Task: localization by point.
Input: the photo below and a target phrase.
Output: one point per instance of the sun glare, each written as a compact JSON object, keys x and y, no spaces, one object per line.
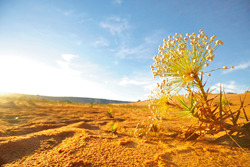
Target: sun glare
{"x":20,"y":75}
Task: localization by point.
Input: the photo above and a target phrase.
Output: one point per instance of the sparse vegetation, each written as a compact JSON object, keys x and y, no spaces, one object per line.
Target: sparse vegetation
{"x":110,"y":113}
{"x":112,"y":127}
{"x":85,"y":135}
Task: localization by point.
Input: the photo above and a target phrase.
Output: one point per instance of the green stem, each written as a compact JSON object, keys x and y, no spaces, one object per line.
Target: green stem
{"x":199,"y":82}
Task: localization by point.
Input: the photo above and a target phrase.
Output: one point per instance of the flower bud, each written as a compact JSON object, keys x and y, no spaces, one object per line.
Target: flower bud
{"x":192,"y":75}
{"x":208,"y":47}
{"x":201,"y":72}
{"x":211,"y":55}
{"x":232,"y":67}
{"x":176,"y":34}
{"x":206,"y":65}
{"x":219,"y":42}
{"x":210,"y":51}
{"x":208,"y":75}
{"x":225,"y":67}
{"x":169,"y":36}
{"x":185,"y":38}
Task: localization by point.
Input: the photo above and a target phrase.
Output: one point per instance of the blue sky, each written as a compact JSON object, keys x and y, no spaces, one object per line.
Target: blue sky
{"x":104,"y":48}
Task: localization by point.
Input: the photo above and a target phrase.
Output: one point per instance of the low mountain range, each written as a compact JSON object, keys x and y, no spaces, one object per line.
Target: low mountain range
{"x":70,"y":99}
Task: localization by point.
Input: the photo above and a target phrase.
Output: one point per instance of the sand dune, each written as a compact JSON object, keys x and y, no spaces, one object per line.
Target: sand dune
{"x":77,"y":135}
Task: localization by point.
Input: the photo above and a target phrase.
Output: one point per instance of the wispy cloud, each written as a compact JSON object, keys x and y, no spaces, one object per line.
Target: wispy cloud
{"x":101,"y":42}
{"x":85,"y":20}
{"x":65,"y":65}
{"x":68,"y":57}
{"x":119,"y":2}
{"x":123,"y":51}
{"x":116,"y":25}
{"x":65,"y":12}
{"x":147,"y":83}
{"x":230,"y":86}
{"x":127,"y":81}
{"x":144,"y":50}
{"x":241,"y":66}
{"x":116,"y":62}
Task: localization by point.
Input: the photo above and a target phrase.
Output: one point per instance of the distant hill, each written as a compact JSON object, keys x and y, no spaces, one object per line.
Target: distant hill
{"x":72,"y":99}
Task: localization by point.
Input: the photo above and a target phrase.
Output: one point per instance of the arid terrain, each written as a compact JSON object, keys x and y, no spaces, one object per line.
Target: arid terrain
{"x":40,"y":133}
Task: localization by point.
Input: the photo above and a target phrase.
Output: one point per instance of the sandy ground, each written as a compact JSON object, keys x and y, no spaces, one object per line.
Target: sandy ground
{"x":38,"y":134}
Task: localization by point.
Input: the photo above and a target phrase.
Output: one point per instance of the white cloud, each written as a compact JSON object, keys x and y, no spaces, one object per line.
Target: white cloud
{"x":230,"y":86}
{"x":101,"y":42}
{"x":241,"y":66}
{"x":145,"y":50}
{"x":126,"y":81}
{"x":119,"y":2}
{"x":65,"y":65}
{"x":147,"y":83}
{"x":116,"y":25}
{"x":68,"y":57}
{"x":140,"y":84}
{"x":138,"y":52}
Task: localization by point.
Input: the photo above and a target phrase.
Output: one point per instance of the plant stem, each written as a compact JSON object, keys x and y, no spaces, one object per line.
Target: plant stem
{"x":200,"y":86}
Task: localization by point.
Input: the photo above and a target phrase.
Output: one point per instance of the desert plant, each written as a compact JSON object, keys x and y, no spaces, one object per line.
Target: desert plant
{"x":112,"y":127}
{"x":146,"y":128}
{"x":182,"y":61}
{"x":110,"y":113}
